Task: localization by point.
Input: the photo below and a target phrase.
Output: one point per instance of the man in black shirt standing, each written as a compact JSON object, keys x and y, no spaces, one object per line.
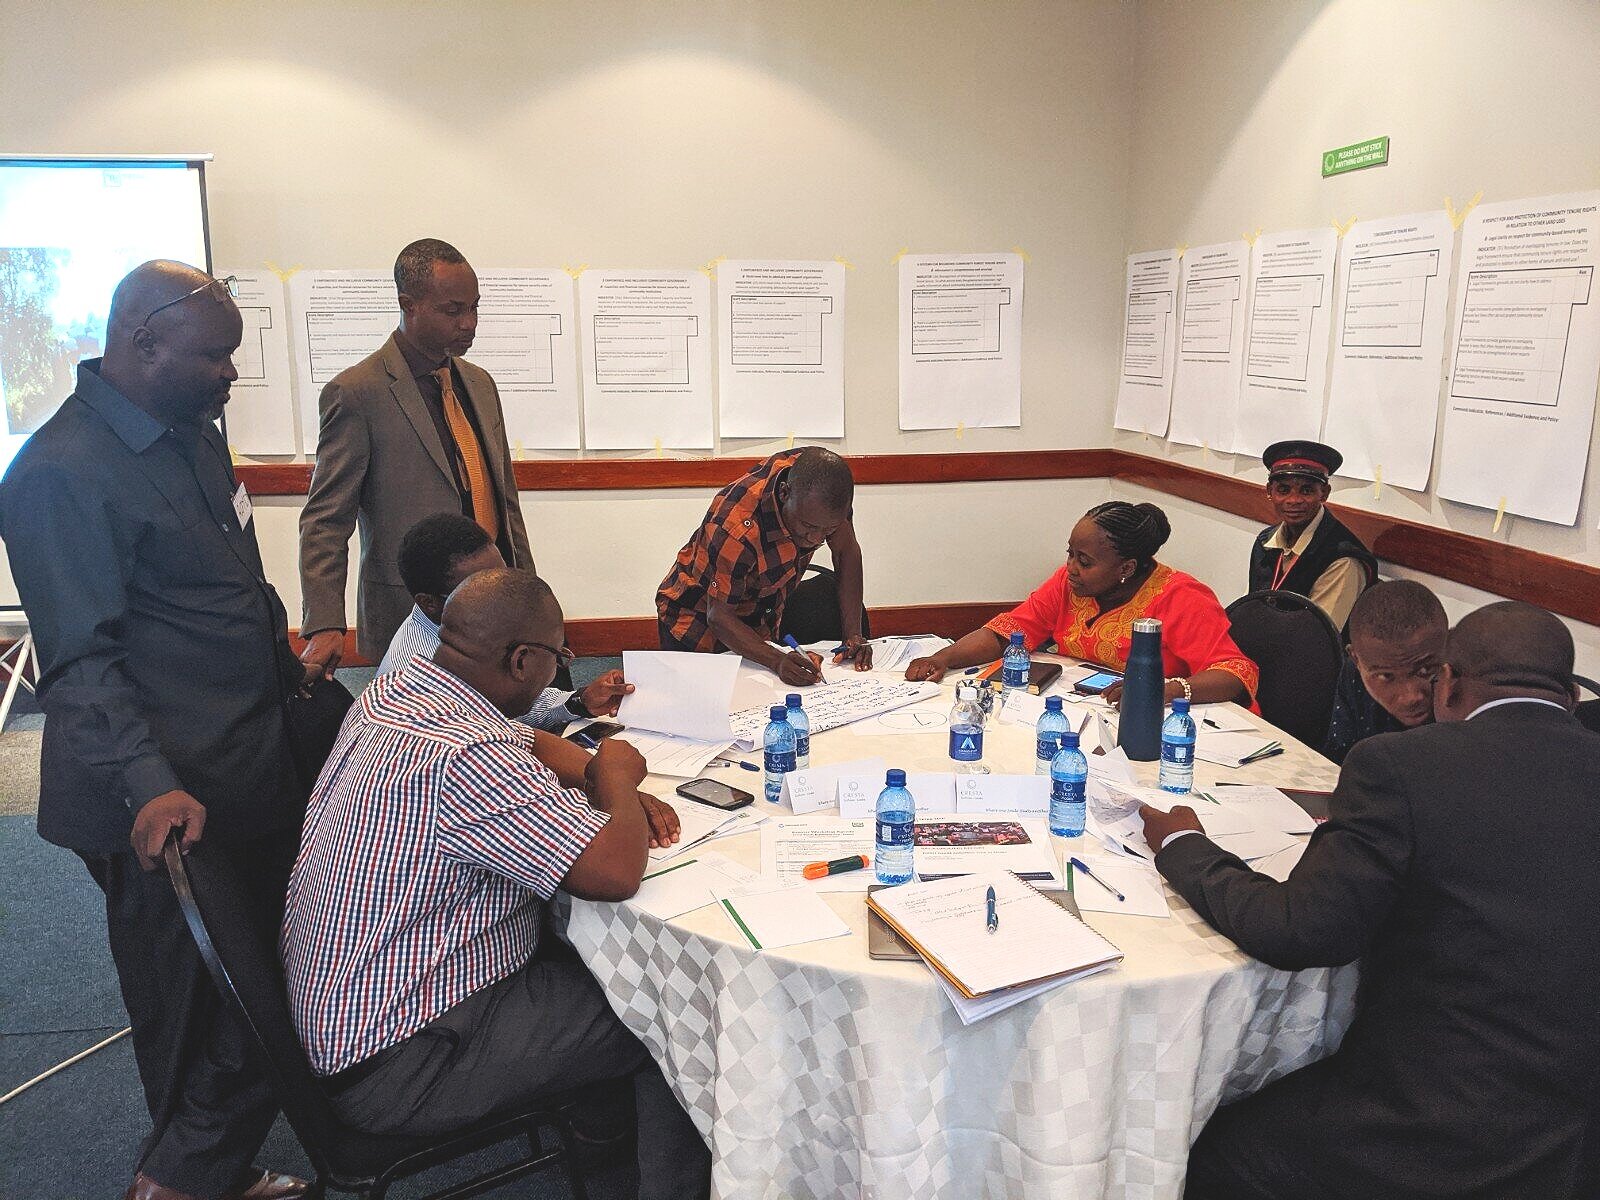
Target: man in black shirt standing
{"x":165,"y":671}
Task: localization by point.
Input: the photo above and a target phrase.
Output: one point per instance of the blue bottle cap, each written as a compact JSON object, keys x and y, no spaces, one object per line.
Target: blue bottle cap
{"x":1052,"y":704}
{"x":1016,"y":637}
{"x":793,"y":699}
{"x":1180,"y":705}
{"x":779,"y":712}
{"x":1068,"y":740}
{"x":895,"y":778}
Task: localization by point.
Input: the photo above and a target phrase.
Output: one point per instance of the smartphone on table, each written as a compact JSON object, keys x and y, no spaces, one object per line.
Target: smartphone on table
{"x":715,"y":793}
{"x":1093,"y":685}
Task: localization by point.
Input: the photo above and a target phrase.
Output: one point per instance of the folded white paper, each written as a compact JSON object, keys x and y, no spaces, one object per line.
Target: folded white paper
{"x":818,"y":787}
{"x":688,"y":695}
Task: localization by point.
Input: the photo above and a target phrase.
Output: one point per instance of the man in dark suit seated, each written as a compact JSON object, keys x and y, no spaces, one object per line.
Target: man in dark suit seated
{"x":1397,"y":635}
{"x":1459,"y":865}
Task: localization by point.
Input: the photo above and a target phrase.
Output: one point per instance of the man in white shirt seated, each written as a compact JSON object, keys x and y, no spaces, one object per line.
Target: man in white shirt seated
{"x":438,"y":832}
{"x":435,"y":555}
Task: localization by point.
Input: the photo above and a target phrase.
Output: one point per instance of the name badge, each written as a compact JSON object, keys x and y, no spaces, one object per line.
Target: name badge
{"x":242,"y":508}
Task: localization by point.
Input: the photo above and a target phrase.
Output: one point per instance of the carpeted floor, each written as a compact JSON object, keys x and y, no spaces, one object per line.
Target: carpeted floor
{"x":74,"y":1136}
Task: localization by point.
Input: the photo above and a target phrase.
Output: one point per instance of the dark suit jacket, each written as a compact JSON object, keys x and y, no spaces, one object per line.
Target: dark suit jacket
{"x":381,"y":466}
{"x":1461,"y":864}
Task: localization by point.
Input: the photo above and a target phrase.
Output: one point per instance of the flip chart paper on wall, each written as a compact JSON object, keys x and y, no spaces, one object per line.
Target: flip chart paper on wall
{"x":527,"y":339}
{"x":260,"y":412}
{"x":1286,"y":338}
{"x":339,"y":317}
{"x":780,"y":348}
{"x":1149,"y":341}
{"x":1520,"y":406}
{"x":646,"y":359}
{"x":960,"y":340}
{"x":1210,"y":350}
{"x":1388,"y":349}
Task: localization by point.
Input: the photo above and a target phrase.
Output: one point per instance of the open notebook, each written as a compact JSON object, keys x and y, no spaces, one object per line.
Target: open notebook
{"x":945,"y":921}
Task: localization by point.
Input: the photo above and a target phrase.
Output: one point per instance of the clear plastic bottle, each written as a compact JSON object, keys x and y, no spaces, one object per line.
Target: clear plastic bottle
{"x":1069,"y":782}
{"x":777,"y":751}
{"x":966,"y":732}
{"x":1177,"y":750}
{"x":897,"y":813}
{"x":1052,"y":724}
{"x":1014,"y":664}
{"x":801,"y":724}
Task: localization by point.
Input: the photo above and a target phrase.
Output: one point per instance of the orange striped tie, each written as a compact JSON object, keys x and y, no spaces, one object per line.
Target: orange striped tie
{"x":470,"y":455}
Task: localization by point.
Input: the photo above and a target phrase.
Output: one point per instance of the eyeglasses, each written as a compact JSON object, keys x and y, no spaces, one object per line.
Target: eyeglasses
{"x":231,"y":282}
{"x":562,"y":655}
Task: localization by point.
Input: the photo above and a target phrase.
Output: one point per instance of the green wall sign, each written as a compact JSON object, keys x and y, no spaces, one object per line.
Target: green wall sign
{"x":1371,"y":153}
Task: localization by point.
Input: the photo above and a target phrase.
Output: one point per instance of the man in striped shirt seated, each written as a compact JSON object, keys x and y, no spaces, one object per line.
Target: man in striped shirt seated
{"x":435,"y":555}
{"x":437,"y":833}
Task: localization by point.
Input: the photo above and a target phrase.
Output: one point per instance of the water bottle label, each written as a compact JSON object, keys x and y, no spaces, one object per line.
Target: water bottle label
{"x":895,"y":834}
{"x":1014,"y":677}
{"x":802,"y":745}
{"x":1047,"y":746}
{"x":778,"y":762}
{"x":1176,"y":753}
{"x":1068,"y":791}
{"x":966,"y":744}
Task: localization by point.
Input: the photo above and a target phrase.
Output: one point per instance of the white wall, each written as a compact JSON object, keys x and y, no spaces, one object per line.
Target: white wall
{"x":628,"y":135}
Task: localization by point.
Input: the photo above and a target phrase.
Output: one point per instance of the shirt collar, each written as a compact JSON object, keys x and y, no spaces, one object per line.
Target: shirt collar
{"x":1514,"y":700}
{"x":137,"y":428}
{"x":416,"y":361}
{"x":432,"y":676}
{"x":1301,"y":543}
{"x":422,"y":621}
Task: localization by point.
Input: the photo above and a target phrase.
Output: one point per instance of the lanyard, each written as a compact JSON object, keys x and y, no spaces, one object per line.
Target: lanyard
{"x":1286,"y":561}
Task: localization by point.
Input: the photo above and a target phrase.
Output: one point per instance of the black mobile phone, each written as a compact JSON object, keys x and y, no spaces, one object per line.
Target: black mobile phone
{"x":590,"y":735}
{"x":715,"y":793}
{"x":1093,"y":685}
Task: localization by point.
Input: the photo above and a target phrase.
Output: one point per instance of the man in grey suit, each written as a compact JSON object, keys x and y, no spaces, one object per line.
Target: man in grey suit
{"x":411,"y":430}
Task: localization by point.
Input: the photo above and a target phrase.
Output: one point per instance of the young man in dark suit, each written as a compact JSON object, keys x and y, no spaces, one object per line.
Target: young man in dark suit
{"x":1458,"y":864}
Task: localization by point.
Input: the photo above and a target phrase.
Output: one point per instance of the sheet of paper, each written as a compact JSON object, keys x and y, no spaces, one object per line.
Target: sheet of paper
{"x":1139,"y":882}
{"x":931,"y":791}
{"x":1262,"y":807}
{"x":1013,"y":795}
{"x":787,"y":917}
{"x":976,"y":1009}
{"x":1228,"y":749}
{"x":1222,"y":718}
{"x":830,"y":705}
{"x":788,"y":845}
{"x":950,"y":844}
{"x":927,"y":718}
{"x":780,"y":348}
{"x":701,"y":823}
{"x":646,"y":359}
{"x":894,"y":654}
{"x":339,"y":318}
{"x":1286,"y":348}
{"x":1520,"y":405}
{"x":260,"y":412}
{"x":818,"y":787}
{"x":1279,"y":865}
{"x":1149,"y":342}
{"x":1112,"y":766}
{"x":679,"y":757}
{"x":1388,"y":347}
{"x":527,"y":339}
{"x":1210,"y":367}
{"x":960,"y":341}
{"x":678,"y":693}
{"x":1257,"y":845}
{"x":689,"y":883}
{"x":1021,"y":708}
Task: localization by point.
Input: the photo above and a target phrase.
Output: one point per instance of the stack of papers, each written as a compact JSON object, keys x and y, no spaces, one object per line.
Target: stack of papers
{"x":831,"y":705}
{"x":957,"y":845}
{"x":892,"y":655}
{"x":699,"y":823}
{"x":769,"y":920}
{"x":689,"y":883}
{"x":1233,"y":749}
{"x":665,"y":754}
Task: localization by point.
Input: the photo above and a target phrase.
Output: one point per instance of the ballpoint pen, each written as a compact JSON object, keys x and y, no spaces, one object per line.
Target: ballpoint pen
{"x":734,"y":762}
{"x":1079,"y":865}
{"x":1210,"y":722}
{"x":994,"y":914}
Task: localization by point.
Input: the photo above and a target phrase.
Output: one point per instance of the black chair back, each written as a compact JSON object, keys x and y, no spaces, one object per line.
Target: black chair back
{"x":1588,"y":711}
{"x":811,"y":613}
{"x":1299,"y":653}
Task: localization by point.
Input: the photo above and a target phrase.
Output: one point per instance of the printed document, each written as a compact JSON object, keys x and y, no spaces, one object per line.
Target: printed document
{"x":780,"y":348}
{"x":1286,"y":341}
{"x":1149,"y":342}
{"x":960,"y":340}
{"x":1210,"y":356}
{"x":260,"y":412}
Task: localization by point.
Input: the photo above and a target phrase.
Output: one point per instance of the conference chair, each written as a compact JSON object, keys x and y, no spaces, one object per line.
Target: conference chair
{"x":811,"y":613}
{"x":1588,"y":711}
{"x":1299,"y":653}
{"x":246,"y":971}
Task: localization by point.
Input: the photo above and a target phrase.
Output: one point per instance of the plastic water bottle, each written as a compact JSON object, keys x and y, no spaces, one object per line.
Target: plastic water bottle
{"x":1050,"y":728}
{"x":897,"y":813}
{"x":777,"y":751}
{"x":801,"y":724}
{"x":966,"y":732}
{"x":1069,"y":782}
{"x":1177,"y":749}
{"x":1014,"y":666}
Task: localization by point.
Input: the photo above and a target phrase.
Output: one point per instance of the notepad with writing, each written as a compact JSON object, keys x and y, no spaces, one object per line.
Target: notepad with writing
{"x":945,"y":921}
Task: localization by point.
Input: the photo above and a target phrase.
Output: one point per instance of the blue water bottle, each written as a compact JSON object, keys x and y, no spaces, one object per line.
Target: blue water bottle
{"x":801,"y":724}
{"x":966,"y":732}
{"x":1014,"y":666}
{"x":1177,"y":749}
{"x":1069,"y":783}
{"x":777,"y":751}
{"x":1144,"y":691}
{"x":897,"y":813}
{"x":1052,"y":724}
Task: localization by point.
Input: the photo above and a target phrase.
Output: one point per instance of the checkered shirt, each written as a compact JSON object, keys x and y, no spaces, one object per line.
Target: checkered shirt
{"x":431,"y":842}
{"x":741,"y":555}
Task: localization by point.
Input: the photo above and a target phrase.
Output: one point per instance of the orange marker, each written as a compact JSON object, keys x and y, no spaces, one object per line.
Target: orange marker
{"x":821,"y":870}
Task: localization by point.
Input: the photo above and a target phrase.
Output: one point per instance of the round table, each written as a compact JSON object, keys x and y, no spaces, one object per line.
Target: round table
{"x":816,"y":1071}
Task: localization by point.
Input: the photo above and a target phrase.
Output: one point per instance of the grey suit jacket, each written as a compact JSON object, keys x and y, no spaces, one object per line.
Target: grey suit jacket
{"x":381,"y":467}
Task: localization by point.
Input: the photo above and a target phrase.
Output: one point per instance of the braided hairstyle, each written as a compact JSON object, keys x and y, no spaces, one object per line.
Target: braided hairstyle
{"x":1135,"y":531}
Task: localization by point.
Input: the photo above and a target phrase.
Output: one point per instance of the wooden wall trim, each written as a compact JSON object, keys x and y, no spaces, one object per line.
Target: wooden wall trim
{"x":1561,"y":585}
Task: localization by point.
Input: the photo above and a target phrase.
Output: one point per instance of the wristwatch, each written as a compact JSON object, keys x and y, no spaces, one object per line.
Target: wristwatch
{"x":576,"y":706}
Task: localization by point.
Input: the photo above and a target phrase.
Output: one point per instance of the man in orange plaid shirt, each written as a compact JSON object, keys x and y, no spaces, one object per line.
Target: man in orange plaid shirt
{"x":727,"y":589}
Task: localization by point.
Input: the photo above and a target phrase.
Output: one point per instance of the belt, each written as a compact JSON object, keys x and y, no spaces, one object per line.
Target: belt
{"x":342,"y":1081}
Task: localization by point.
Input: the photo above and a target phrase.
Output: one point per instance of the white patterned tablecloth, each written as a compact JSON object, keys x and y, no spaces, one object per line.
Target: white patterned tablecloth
{"x":815,"y":1071}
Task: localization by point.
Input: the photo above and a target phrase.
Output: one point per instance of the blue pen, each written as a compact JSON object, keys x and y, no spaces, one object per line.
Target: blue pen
{"x":994,"y":916}
{"x":972,"y":670}
{"x":734,"y":762}
{"x":586,"y":741}
{"x":1079,"y":865}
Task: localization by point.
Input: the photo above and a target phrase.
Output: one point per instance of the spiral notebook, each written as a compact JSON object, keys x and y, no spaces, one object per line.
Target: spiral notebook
{"x":946,"y":921}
